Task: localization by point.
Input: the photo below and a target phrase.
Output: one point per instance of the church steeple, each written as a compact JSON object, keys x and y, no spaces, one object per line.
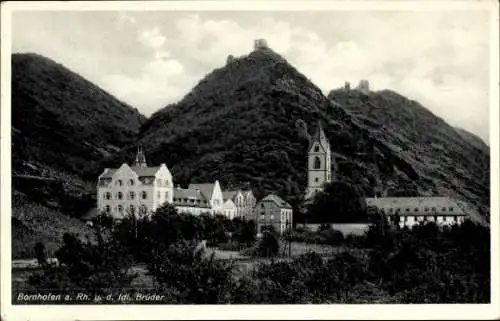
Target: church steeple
{"x":318,"y":162}
{"x":140,"y":159}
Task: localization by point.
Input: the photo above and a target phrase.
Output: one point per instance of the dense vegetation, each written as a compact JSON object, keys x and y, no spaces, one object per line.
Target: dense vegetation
{"x":250,"y":122}
{"x":424,"y":265}
{"x":338,"y":202}
{"x":63,"y":121}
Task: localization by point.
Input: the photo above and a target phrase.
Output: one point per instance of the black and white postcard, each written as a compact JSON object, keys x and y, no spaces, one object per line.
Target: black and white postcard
{"x":250,"y":160}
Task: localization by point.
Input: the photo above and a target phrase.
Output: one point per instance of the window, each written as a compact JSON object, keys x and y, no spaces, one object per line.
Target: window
{"x":451,"y":209}
{"x":444,"y":209}
{"x":131,"y":195}
{"x":317,"y":163}
{"x":120,"y":209}
{"x":427,"y":209}
{"x":328,"y":176}
{"x":316,"y":179}
{"x":107,"y":195}
{"x":119,"y":195}
{"x":408,"y":209}
{"x":144,"y":195}
{"x":416,"y":209}
{"x":119,"y":182}
{"x":143,"y":210}
{"x":108,"y":209}
{"x":166,"y":196}
{"x":398,"y":210}
{"x":131,"y":182}
{"x":132,"y":209}
{"x":262,"y":205}
{"x":316,"y":148}
{"x":433,"y":209}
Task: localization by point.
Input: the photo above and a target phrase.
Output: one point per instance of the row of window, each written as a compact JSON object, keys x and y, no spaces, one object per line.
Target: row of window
{"x":426,"y":218}
{"x":143,"y":209}
{"x":131,"y":182}
{"x":416,"y":209}
{"x":131,"y":195}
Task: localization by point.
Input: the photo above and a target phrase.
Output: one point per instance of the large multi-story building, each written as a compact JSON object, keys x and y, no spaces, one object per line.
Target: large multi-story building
{"x":273,"y":211}
{"x":140,"y":190}
{"x":136,"y":189}
{"x":410,"y":211}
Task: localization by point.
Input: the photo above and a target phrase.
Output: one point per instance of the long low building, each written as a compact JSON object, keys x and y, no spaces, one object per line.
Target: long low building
{"x":414,"y":210}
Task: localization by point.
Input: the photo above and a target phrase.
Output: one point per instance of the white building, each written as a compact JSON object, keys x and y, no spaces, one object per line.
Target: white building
{"x":136,"y":189}
{"x":272,"y":210}
{"x":199,"y":198}
{"x":414,"y":210}
{"x":244,"y":201}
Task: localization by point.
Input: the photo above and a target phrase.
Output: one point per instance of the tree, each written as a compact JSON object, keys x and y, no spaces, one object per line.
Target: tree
{"x":40,"y":254}
{"x":339,"y":202}
{"x":269,"y":245}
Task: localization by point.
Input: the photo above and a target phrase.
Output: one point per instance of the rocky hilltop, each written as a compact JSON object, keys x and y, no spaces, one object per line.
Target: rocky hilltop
{"x":439,"y":159}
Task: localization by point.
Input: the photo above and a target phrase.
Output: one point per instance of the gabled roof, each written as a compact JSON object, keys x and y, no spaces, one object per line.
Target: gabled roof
{"x":277,"y":200}
{"x":181,"y":194}
{"x":109,"y":173}
{"x":140,"y":171}
{"x":229,"y":195}
{"x":420,"y":202}
{"x":206,"y":189}
{"x":145,"y":171}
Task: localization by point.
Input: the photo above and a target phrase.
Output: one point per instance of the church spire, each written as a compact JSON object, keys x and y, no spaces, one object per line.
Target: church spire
{"x":140,"y":159}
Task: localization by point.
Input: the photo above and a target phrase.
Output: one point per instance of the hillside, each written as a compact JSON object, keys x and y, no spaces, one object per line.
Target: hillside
{"x":443,"y":161}
{"x":473,"y":140}
{"x":249,"y":121}
{"x":63,"y":121}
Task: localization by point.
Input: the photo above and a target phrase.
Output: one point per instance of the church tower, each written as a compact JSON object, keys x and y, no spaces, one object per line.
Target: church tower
{"x":140,"y":159}
{"x":318,"y":163}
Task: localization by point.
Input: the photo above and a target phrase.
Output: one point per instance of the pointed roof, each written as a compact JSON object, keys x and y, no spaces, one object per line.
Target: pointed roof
{"x":207,"y":189}
{"x":276,"y":199}
{"x":140,"y":158}
{"x":229,"y":195}
{"x":319,"y":136}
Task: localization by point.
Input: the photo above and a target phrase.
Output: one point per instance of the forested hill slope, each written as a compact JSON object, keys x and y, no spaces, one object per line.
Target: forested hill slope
{"x":446,"y":160}
{"x":61,"y":120}
{"x":473,"y":140}
{"x":249,"y":121}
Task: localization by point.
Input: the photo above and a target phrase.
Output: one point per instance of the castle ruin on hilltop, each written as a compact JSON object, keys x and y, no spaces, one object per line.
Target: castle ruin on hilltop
{"x":260,"y":44}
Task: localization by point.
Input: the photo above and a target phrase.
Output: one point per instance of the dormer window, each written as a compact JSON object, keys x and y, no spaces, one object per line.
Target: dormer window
{"x":119,"y":182}
{"x":316,"y":148}
{"x":131,"y":182}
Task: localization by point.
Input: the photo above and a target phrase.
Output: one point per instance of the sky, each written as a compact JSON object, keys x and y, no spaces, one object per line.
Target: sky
{"x":150,"y":59}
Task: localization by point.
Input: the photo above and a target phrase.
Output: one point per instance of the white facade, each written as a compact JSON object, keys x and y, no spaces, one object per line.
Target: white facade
{"x":134,"y":190}
{"x":244,"y":201}
{"x":411,"y":211}
{"x":229,"y":209}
